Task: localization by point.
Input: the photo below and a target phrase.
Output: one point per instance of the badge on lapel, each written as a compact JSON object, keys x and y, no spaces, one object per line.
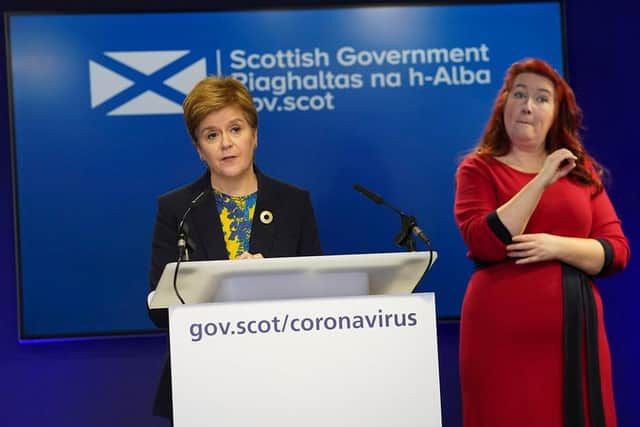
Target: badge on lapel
{"x":266,"y":217}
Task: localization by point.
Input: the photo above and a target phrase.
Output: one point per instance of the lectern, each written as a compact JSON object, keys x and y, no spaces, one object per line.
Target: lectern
{"x":313,"y":341}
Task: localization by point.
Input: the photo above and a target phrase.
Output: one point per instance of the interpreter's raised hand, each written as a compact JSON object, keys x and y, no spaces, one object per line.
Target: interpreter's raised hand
{"x":247,"y":255}
{"x":529,"y":248}
{"x":556,"y":165}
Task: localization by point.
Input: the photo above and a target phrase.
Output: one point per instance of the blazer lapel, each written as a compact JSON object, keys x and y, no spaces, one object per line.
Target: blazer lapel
{"x":263,"y":230}
{"x":207,"y":229}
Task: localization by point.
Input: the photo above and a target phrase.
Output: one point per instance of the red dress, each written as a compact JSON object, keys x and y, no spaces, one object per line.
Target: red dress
{"x":511,"y":328}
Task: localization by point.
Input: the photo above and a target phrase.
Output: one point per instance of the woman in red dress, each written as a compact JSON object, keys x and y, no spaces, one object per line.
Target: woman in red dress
{"x":538,"y":223}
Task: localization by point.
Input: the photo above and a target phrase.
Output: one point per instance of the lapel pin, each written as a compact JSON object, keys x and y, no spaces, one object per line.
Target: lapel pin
{"x":266,"y":217}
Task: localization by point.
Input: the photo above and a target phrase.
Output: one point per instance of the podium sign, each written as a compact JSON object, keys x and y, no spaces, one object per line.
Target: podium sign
{"x":350,"y":361}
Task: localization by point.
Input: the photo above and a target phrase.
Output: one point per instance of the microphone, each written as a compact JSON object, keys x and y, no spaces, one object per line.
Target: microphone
{"x":183,"y":238}
{"x":368,"y":194}
{"x":183,"y":229}
{"x":409,"y":224}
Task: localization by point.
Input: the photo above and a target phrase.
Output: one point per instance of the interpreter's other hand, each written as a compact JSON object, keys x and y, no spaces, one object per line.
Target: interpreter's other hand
{"x":247,"y":255}
{"x":556,"y":165}
{"x":529,"y":248}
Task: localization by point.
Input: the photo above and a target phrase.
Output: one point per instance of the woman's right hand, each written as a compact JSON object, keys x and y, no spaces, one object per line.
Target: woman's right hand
{"x":556,"y":165}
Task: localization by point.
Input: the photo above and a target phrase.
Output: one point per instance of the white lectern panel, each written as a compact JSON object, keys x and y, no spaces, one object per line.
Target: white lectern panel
{"x":353,"y":361}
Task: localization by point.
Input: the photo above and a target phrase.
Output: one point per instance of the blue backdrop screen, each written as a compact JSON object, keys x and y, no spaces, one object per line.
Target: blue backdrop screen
{"x":388,"y":97}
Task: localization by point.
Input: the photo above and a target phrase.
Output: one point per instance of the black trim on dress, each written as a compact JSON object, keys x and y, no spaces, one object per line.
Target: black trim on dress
{"x":608,"y":255}
{"x":580,"y":320}
{"x":498,"y":228}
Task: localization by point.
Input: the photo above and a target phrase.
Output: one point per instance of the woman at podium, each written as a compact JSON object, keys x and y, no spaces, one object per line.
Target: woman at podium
{"x":234,"y":210}
{"x":532,"y":209}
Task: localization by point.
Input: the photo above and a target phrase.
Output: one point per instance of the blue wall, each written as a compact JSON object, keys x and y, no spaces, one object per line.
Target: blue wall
{"x":111,"y":382}
{"x":602,"y":39}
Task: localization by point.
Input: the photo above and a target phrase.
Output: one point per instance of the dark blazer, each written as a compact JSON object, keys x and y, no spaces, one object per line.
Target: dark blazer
{"x":292,"y":232}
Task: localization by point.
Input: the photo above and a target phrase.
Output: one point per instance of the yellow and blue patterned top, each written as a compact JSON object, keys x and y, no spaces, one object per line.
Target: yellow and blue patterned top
{"x":236,"y":215}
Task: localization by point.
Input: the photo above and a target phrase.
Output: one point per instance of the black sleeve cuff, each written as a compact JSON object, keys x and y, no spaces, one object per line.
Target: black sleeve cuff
{"x":498,"y":228}
{"x":608,"y":255}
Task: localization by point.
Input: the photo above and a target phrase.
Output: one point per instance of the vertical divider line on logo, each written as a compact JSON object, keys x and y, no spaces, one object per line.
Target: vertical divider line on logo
{"x":219,"y":62}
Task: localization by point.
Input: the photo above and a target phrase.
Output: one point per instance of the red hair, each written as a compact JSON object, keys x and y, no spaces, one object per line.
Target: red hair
{"x":563,"y":132}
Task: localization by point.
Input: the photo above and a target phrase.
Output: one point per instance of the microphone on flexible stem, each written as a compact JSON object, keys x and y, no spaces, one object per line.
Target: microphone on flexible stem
{"x":370,"y":195}
{"x":408,"y":224}
{"x":183,"y":229}
{"x":184,"y":243}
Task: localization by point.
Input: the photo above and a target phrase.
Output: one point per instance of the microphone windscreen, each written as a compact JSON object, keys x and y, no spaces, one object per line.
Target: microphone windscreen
{"x":369,"y":194}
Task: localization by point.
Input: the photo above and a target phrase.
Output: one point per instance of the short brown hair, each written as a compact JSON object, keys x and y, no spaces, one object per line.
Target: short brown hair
{"x":215,"y":93}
